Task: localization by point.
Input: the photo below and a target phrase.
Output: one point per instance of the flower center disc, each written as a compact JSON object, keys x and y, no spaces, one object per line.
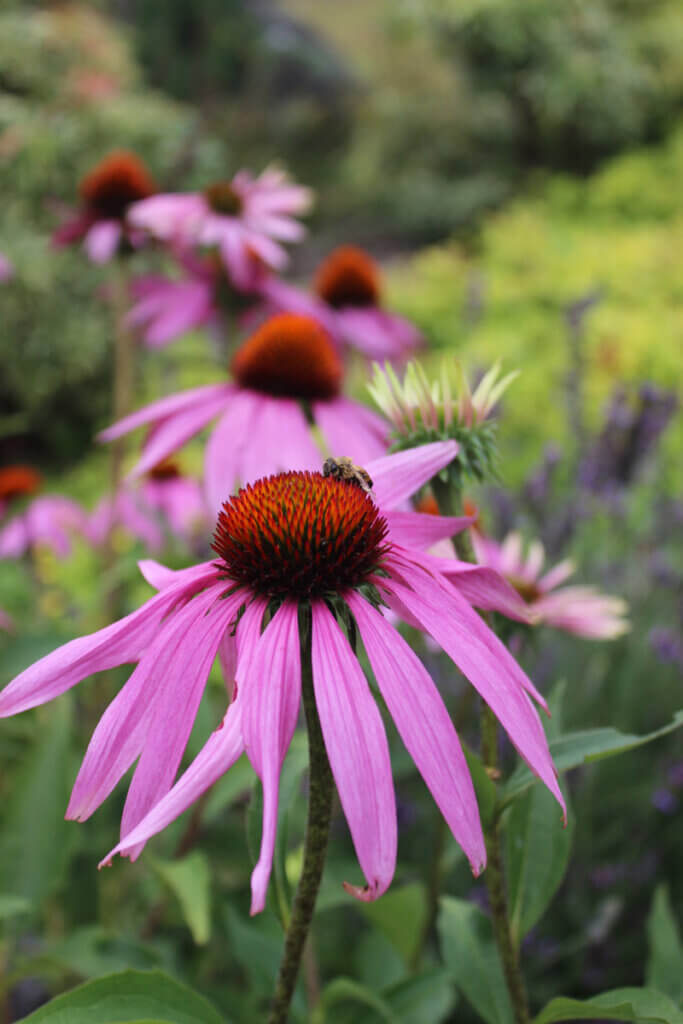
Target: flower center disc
{"x":526,"y":589}
{"x":289,"y":356}
{"x":222,"y":198}
{"x":348,"y":277}
{"x":300,"y":535}
{"x":116,"y":182}
{"x":18,"y":482}
{"x":167,"y":469}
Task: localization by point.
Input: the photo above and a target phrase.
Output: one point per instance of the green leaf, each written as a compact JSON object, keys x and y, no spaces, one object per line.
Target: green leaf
{"x":472,"y":959}
{"x":130,"y":996}
{"x":189,"y":880}
{"x":637,"y":1005}
{"x":576,"y":748}
{"x":400,"y":915}
{"x":429,"y":996}
{"x":664,"y":969}
{"x":344,"y":990}
{"x":537,"y":846}
{"x":35,"y":839}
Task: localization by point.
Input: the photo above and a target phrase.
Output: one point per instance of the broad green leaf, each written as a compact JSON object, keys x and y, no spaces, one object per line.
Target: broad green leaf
{"x":189,"y":880}
{"x":664,"y":969}
{"x":632,"y":1005}
{"x":400,"y":915}
{"x":130,"y":996}
{"x":472,"y":959}
{"x":345,"y":990}
{"x":429,"y":996}
{"x":537,"y":846}
{"x":11,"y":906}
{"x":576,"y":748}
{"x":35,"y":839}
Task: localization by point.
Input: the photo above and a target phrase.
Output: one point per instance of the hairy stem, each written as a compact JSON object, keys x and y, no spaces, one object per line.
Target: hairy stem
{"x":321,"y":789}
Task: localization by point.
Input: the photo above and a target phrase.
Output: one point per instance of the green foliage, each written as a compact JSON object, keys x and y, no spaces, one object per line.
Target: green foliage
{"x":664,"y":969}
{"x":639,"y":1005}
{"x":509,"y":298}
{"x":471,"y":956}
{"x":129,"y":996}
{"x":190,"y":882}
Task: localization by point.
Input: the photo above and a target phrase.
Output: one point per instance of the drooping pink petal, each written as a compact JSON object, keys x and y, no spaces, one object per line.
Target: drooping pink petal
{"x":190,"y":654}
{"x":418,"y":530}
{"x":171,"y":216}
{"x":223,"y":455}
{"x":350,"y":429}
{"x":102,"y":240}
{"x":160,"y":577}
{"x":122,"y":730}
{"x":396,"y":477}
{"x":584,"y":611}
{"x":270,"y":705}
{"x":119,"y":644}
{"x":164,"y":408}
{"x":425,"y":726}
{"x":486,"y":662}
{"x":357,"y":748}
{"x":171,"y":434}
{"x":377,"y":333}
{"x":217,"y":755}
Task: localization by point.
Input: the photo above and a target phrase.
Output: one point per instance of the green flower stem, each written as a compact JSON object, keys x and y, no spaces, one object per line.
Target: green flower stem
{"x":321,"y":790}
{"x":449,"y":499}
{"x":495,"y":882}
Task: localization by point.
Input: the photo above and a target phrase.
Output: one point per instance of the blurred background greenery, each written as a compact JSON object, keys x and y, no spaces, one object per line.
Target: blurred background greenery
{"x":516,"y":165}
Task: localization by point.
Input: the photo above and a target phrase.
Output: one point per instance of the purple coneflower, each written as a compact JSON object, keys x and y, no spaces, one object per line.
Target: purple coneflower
{"x":246,"y":219}
{"x":346,"y":299}
{"x":292,"y":548}
{"x":107,"y":193}
{"x":47,"y":520}
{"x":166,"y":307}
{"x":286,"y":372}
{"x":579,"y":609}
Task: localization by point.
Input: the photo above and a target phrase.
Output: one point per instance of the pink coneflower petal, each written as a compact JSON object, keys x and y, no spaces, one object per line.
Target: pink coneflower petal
{"x":486,"y":589}
{"x":484,"y":660}
{"x":14,"y":538}
{"x":191,"y":650}
{"x":419,"y":530}
{"x":121,"y":732}
{"x":224,"y":452}
{"x":425,"y":726}
{"x":166,"y":309}
{"x":350,"y":429}
{"x":167,"y":436}
{"x":358,"y":752}
{"x":511,"y":555}
{"x":218,"y":754}
{"x":102,"y":240}
{"x":163,"y":408}
{"x":270,"y":706}
{"x":397,"y":477}
{"x":124,"y":641}
{"x":385,"y":335}
{"x":558,"y":574}
{"x":585,"y":611}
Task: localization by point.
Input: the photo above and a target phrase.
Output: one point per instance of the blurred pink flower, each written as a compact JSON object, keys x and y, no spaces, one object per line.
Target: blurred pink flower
{"x":346,"y":300}
{"x":107,"y":192}
{"x":6,"y":269}
{"x":48,"y":520}
{"x":165,"y":501}
{"x":286,"y":543}
{"x":579,"y":609}
{"x":6,"y":621}
{"x":263,"y":424}
{"x":166,"y":307}
{"x":246,"y":219}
